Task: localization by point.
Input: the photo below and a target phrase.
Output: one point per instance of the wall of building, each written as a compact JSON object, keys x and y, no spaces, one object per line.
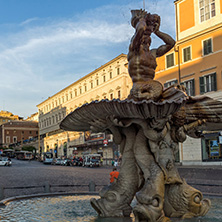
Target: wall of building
{"x":109,"y":81}
{"x":18,"y":131}
{"x":191,"y":32}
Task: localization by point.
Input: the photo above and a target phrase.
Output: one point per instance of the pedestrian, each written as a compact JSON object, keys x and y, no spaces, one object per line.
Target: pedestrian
{"x":112,"y":162}
{"x":114,"y":175}
{"x":116,"y":163}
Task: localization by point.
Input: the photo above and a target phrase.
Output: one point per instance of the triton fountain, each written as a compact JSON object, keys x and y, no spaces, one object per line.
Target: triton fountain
{"x":148,"y":126}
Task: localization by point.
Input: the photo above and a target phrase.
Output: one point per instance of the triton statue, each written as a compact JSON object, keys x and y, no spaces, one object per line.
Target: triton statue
{"x":148,"y":126}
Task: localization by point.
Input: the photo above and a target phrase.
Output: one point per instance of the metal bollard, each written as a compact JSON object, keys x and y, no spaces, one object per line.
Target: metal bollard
{"x":47,"y":187}
{"x":92,"y":186}
{"x":1,"y":192}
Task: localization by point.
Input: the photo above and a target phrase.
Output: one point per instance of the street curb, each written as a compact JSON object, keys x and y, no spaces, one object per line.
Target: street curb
{"x":212,"y":194}
{"x":8,"y":200}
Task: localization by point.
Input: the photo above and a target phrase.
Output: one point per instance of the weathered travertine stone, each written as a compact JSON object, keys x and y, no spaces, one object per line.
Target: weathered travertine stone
{"x":149,"y":125}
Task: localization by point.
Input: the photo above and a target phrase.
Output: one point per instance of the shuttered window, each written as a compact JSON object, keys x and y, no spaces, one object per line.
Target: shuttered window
{"x":168,"y":84}
{"x":186,"y":54}
{"x":190,"y":87}
{"x":208,"y":83}
{"x":170,"y":60}
{"x":207,"y":46}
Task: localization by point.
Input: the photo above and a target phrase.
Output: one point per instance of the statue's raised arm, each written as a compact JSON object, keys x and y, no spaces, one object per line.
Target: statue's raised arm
{"x":163,"y":49}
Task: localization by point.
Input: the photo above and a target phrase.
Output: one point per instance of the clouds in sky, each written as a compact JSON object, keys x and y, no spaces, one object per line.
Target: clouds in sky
{"x":39,"y":57}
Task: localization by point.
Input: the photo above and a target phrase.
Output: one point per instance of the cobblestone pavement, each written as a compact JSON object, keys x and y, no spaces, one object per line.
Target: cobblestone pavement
{"x":34,"y":173}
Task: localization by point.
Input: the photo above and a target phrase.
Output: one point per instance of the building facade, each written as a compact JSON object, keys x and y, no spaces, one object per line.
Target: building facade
{"x":109,"y":81}
{"x":6,"y":116}
{"x":195,"y":62}
{"x":18,"y":133}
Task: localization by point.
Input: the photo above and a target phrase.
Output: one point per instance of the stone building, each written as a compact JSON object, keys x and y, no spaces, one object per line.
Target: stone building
{"x":6,"y":116}
{"x":18,"y":133}
{"x":109,"y":81}
{"x":34,"y":117}
{"x":195,"y":62}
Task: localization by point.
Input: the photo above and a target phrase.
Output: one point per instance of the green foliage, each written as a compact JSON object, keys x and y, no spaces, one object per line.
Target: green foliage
{"x":29,"y":148}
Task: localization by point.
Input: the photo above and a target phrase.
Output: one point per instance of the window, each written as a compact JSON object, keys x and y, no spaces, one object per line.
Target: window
{"x":8,"y":139}
{"x":80,"y":90}
{"x":119,"y":94}
{"x":85,"y":88}
{"x":118,"y":71}
{"x":190,"y":87}
{"x":207,"y":46}
{"x":104,"y":78}
{"x":70,"y":95}
{"x":170,"y":83}
{"x":170,"y":60}
{"x":186,"y":54}
{"x":14,"y":139}
{"x":207,"y":9}
{"x":91,"y":85}
{"x":111,"y":96}
{"x":208,"y":83}
{"x":67,"y":98}
{"x":97,"y":82}
{"x":110,"y":75}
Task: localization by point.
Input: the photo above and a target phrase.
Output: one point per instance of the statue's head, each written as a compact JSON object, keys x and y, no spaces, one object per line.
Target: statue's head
{"x":152,"y":19}
{"x":137,"y":15}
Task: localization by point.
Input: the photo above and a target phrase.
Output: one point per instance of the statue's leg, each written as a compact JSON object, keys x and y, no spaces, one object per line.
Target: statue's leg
{"x":116,"y":199}
{"x":184,"y":201}
{"x":151,"y":197}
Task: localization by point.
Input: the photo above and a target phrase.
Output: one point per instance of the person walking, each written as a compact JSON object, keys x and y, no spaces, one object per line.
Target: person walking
{"x":114,"y":175}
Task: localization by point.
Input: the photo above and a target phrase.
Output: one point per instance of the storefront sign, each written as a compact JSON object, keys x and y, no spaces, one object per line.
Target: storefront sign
{"x":105,"y":142}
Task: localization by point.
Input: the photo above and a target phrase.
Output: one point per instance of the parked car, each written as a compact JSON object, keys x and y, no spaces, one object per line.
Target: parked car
{"x":47,"y":158}
{"x":5,"y":161}
{"x":57,"y":161}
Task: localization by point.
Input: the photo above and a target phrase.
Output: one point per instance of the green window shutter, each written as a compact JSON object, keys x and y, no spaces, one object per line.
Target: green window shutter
{"x":193,"y":88}
{"x":209,"y":46}
{"x":202,"y":88}
{"x":214,"y":82}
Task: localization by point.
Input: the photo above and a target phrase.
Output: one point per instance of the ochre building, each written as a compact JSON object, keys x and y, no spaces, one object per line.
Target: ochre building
{"x":196,"y":63}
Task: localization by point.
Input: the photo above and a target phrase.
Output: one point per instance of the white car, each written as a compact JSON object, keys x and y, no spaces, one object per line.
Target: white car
{"x":4,"y":161}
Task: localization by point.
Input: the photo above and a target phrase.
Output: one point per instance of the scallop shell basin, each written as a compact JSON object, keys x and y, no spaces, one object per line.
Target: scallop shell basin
{"x":80,"y":118}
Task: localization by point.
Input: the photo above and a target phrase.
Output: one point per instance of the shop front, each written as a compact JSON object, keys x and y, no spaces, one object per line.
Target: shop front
{"x":212,"y":146}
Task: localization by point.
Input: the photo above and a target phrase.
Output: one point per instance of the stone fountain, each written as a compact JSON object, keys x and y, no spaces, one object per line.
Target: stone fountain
{"x":148,"y":126}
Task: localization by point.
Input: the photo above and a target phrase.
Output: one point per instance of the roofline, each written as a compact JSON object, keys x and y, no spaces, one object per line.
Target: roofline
{"x":84,"y":77}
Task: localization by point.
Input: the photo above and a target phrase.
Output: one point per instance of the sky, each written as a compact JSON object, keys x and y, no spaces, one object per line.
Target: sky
{"x":46,"y":45}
